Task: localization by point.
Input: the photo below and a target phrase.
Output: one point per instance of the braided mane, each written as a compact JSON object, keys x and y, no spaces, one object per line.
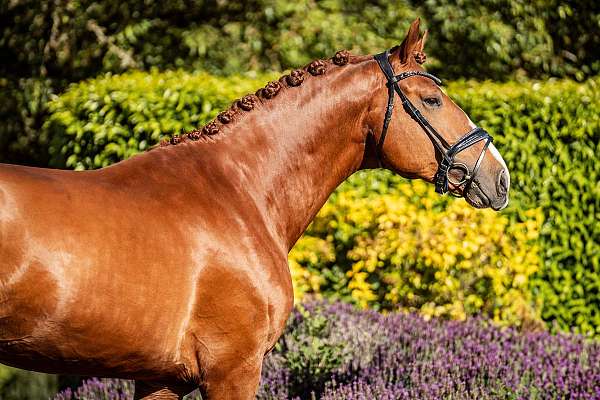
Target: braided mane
{"x":247,"y":103}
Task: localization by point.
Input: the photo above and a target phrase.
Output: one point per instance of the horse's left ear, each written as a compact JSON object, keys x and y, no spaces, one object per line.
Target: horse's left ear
{"x":419,"y":50}
{"x":413,"y":45}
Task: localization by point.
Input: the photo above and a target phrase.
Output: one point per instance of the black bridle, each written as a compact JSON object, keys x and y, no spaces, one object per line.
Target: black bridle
{"x":447,"y":151}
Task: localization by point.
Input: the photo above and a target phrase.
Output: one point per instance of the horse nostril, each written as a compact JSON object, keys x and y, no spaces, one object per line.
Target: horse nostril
{"x":502,"y":183}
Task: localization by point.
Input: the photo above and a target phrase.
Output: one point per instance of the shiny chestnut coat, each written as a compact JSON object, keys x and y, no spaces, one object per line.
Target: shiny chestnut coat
{"x":170,"y":268}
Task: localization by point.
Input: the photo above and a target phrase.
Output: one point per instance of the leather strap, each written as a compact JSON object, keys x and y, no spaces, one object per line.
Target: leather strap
{"x":447,"y":151}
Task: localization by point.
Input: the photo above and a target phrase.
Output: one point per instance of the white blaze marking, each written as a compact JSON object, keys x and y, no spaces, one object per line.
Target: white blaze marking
{"x":496,"y":154}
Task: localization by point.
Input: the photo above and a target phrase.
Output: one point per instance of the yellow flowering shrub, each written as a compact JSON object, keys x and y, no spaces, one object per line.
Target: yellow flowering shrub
{"x":403,"y":246}
{"x":309,"y":250}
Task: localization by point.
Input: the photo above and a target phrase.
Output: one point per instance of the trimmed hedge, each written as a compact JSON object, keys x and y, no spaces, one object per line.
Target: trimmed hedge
{"x":49,"y":44}
{"x":549,"y":134}
{"x":98,"y":122}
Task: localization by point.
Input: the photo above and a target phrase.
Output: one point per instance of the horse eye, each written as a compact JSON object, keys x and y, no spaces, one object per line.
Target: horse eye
{"x":432,"y":101}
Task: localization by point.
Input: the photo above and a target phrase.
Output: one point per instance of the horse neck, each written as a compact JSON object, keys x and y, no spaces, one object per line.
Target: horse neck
{"x":311,"y":139}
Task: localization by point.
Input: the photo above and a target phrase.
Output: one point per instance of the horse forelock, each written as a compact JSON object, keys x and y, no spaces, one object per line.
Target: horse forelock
{"x":271,"y":90}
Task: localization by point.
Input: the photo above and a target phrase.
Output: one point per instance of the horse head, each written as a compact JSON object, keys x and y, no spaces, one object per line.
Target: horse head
{"x":426,"y":135}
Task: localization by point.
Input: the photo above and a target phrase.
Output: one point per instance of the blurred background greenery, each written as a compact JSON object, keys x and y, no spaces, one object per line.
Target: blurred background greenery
{"x":45,"y":45}
{"x":84,"y":84}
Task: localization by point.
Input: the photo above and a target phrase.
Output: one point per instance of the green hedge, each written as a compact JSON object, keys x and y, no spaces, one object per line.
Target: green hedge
{"x":98,"y":122}
{"x":549,"y":133}
{"x":49,"y":44}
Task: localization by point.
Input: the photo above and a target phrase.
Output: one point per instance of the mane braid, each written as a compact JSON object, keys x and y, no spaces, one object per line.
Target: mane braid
{"x":247,"y":103}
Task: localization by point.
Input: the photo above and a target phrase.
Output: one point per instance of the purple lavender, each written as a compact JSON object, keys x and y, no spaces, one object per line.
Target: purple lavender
{"x":105,"y":389}
{"x":350,"y":354}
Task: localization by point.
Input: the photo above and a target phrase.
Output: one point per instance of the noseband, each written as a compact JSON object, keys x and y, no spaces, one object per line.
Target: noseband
{"x":447,"y":151}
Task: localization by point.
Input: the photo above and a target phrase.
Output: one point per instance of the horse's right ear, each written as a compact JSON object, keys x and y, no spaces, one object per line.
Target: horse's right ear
{"x":413,"y":42}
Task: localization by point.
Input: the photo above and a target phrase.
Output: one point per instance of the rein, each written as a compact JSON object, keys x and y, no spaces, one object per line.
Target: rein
{"x":447,"y":151}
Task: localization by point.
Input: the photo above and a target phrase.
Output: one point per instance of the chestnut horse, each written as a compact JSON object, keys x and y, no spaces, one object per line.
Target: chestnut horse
{"x":171,"y":268}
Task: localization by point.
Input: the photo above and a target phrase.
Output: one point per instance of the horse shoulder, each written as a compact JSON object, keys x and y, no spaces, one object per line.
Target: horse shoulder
{"x":238,"y":310}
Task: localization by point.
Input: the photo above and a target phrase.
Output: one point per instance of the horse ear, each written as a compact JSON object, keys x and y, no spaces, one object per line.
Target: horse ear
{"x":419,"y":50}
{"x":420,"y":46}
{"x":413,"y":44}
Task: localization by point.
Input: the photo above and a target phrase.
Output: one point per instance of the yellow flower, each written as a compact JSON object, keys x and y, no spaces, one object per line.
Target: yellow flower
{"x":437,"y":256}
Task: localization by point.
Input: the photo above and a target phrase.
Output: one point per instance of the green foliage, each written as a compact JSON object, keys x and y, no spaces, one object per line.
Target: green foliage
{"x":18,"y":385}
{"x":22,"y":109}
{"x":49,"y":44}
{"x":98,"y":122}
{"x":74,"y":41}
{"x":406,"y":246}
{"x":311,"y":352}
{"x":496,"y":39}
{"x":548,"y":133}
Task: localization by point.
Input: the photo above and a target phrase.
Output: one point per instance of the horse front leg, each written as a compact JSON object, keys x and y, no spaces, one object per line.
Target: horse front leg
{"x":233,"y":383}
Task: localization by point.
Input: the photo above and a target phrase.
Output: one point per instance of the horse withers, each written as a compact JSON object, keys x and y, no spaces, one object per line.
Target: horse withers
{"x":170,"y":268}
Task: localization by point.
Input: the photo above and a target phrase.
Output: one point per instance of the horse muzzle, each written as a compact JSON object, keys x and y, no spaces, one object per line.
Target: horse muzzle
{"x":492,"y":192}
